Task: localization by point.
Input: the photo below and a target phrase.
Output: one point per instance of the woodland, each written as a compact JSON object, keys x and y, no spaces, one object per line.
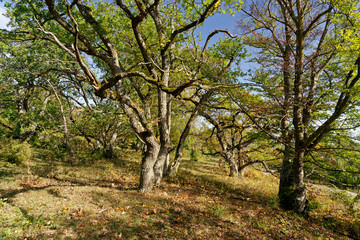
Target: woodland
{"x":123,"y":120}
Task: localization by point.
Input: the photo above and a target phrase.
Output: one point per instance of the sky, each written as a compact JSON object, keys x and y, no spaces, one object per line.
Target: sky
{"x":3,"y":19}
{"x":218,"y":21}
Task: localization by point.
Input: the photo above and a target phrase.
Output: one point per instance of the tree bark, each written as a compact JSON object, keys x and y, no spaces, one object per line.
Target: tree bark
{"x":286,"y":189}
{"x":298,"y":162}
{"x":300,"y":202}
{"x":242,"y":170}
{"x":147,"y":174}
{"x":164,"y":118}
{"x":109,"y":144}
{"x":23,"y":100}
{"x":229,"y":158}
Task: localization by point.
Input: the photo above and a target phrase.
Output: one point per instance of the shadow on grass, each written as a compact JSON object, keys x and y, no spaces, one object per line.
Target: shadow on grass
{"x":179,"y":221}
{"x":83,"y":174}
{"x":12,"y":193}
{"x":205,"y":183}
{"x":210,"y":166}
{"x":345,"y":228}
{"x":6,"y":173}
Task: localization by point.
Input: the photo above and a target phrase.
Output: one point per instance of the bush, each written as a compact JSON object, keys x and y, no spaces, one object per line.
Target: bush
{"x":194,"y":156}
{"x":16,"y":152}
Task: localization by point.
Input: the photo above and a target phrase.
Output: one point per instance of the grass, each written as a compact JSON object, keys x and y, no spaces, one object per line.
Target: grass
{"x":100,"y":201}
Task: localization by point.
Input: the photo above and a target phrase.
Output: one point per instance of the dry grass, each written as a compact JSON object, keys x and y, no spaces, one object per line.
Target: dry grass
{"x":100,"y":201}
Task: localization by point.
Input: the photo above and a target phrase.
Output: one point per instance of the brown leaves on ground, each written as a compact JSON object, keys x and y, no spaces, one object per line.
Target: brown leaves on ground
{"x":196,"y":204}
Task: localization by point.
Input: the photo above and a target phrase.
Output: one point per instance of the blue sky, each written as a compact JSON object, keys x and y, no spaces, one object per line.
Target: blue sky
{"x":219,"y":21}
{"x":3,"y":19}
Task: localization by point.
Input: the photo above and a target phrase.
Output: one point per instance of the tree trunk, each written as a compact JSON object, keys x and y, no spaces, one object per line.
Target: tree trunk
{"x":300,"y":201}
{"x":109,"y":152}
{"x":164,"y":132}
{"x":147,"y":174}
{"x":66,"y":130}
{"x":286,"y":189}
{"x":164,"y":118}
{"x":22,"y":108}
{"x":162,"y":163}
{"x":286,"y":186}
{"x":159,"y":166}
{"x":180,"y":147}
{"x":166,"y":166}
{"x":109,"y":146}
{"x":23,"y":100}
{"x":229,"y":158}
{"x":242,"y":170}
{"x":298,"y":117}
{"x":175,"y":166}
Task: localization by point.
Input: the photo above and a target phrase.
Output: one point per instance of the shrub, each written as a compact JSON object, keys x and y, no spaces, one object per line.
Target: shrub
{"x":16,"y":152}
{"x":194,"y":156}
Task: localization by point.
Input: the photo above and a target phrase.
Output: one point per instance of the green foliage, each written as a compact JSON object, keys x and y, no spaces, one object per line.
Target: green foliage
{"x":337,"y":159}
{"x":219,"y":210}
{"x":347,"y":25}
{"x":16,"y":152}
{"x":274,"y":202}
{"x":313,"y":204}
{"x":194,"y":155}
{"x":229,"y":48}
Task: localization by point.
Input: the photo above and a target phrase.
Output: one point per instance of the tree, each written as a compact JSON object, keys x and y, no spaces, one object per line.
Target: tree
{"x":28,"y":92}
{"x":216,"y":66}
{"x":302,"y":36}
{"x":136,"y":47}
{"x":42,"y":96}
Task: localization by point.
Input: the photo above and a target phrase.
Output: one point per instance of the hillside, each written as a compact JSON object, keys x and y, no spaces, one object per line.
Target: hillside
{"x":99,"y":200}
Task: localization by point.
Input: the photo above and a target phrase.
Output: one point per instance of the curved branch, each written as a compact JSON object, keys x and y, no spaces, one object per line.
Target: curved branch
{"x":329,"y":169}
{"x":70,"y":29}
{"x":201,"y":19}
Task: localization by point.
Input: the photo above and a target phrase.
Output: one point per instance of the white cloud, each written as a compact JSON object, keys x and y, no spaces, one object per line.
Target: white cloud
{"x":3,"y":20}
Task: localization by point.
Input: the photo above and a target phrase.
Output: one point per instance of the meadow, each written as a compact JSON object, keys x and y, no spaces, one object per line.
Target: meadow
{"x":50,"y":199}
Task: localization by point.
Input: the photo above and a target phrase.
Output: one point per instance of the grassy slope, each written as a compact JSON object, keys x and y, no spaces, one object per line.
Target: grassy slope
{"x":99,"y":201}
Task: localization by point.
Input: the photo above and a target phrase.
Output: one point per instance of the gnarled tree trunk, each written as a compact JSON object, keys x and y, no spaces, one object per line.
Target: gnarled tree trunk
{"x":147,"y":174}
{"x":234,"y":171}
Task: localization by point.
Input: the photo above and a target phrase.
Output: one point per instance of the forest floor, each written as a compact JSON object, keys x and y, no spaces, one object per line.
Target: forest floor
{"x":100,"y":201}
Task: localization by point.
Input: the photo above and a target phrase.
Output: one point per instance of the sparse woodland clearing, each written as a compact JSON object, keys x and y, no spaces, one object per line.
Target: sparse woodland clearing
{"x":135,"y":119}
{"x":100,"y":201}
